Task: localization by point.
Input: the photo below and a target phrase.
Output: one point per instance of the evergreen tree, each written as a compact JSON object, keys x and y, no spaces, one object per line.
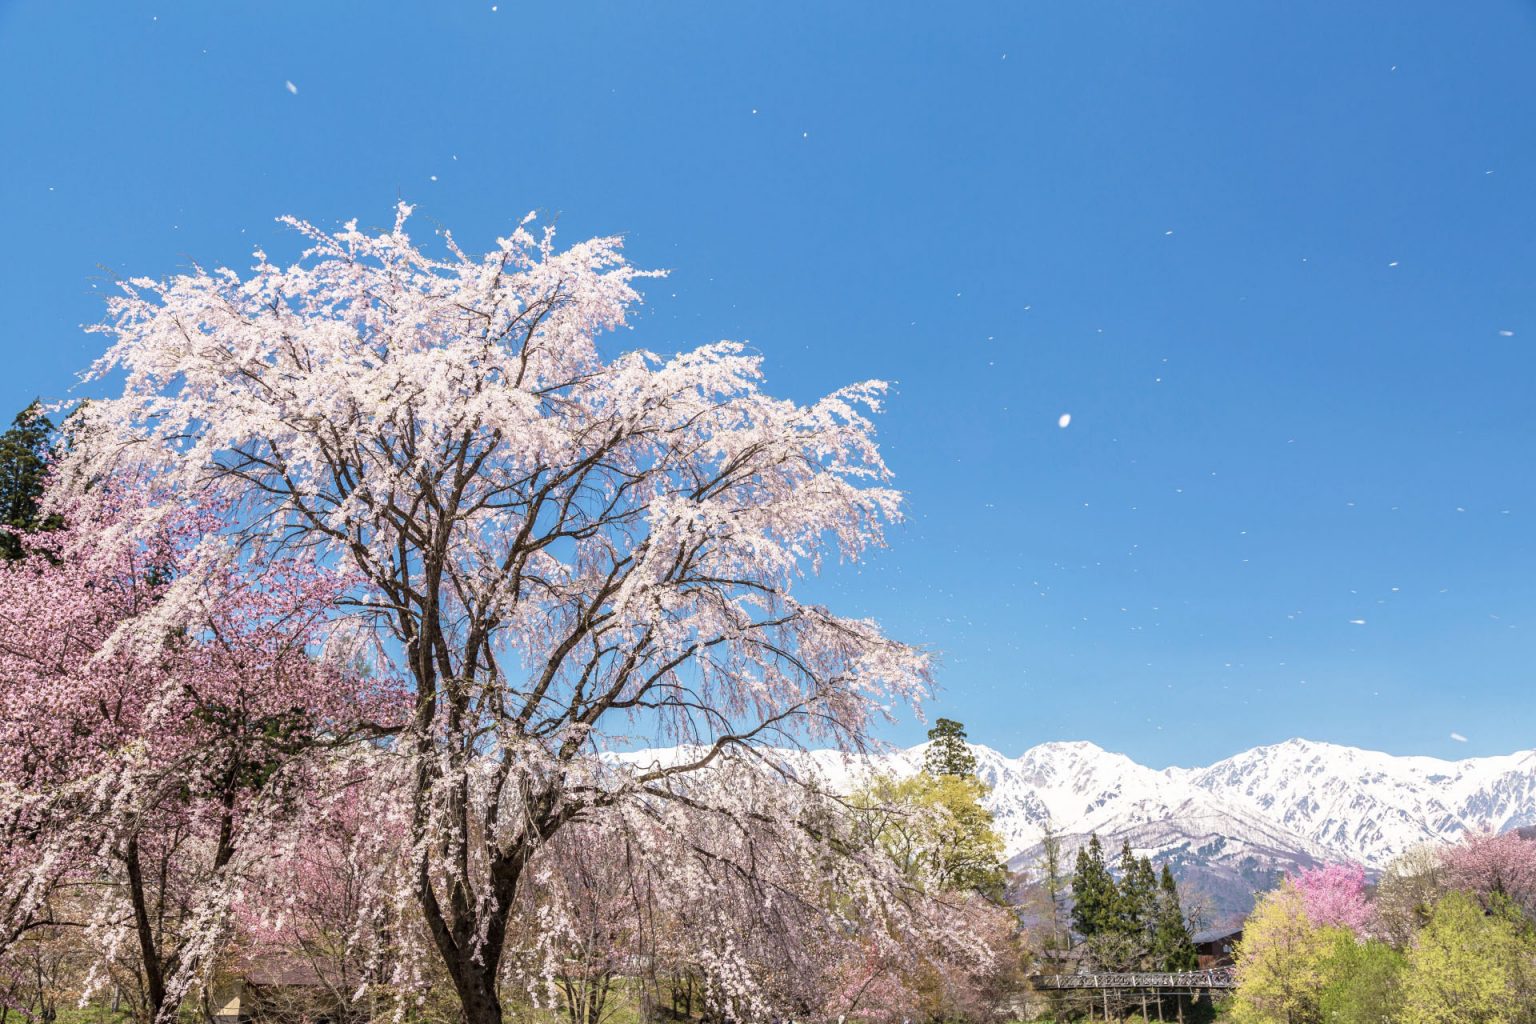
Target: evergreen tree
{"x":1135,"y":894}
{"x":1173,"y":949}
{"x":1125,"y":943}
{"x":948,"y":753}
{"x":1093,"y":892}
{"x":25,"y":451}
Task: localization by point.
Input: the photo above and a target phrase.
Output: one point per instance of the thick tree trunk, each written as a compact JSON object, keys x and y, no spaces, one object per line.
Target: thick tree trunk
{"x":471,"y":954}
{"x":475,"y":984}
{"x":149,"y":953}
{"x":472,"y":967}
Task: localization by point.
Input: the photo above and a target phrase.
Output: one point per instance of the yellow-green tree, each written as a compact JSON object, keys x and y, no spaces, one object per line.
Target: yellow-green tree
{"x":1470,"y":967}
{"x":1362,"y":981}
{"x":937,"y":831}
{"x":1280,"y":963}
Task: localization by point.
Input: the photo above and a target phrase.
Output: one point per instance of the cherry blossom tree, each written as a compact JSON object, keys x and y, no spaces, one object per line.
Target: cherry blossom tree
{"x":1488,"y":864}
{"x":306,"y":908}
{"x":781,"y":902}
{"x":147,"y":748}
{"x":1334,"y":896}
{"x":562,"y":549}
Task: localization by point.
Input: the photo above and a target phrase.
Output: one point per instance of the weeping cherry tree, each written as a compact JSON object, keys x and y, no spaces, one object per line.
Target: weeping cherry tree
{"x":566,"y":550}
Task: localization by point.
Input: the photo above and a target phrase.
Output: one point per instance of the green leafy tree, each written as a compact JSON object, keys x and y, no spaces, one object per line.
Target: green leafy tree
{"x":1280,"y":963}
{"x":948,"y":753}
{"x":1173,"y":948}
{"x":25,"y":451}
{"x":1094,"y":894}
{"x":1362,"y":981}
{"x":936,"y":829}
{"x":1470,"y":967}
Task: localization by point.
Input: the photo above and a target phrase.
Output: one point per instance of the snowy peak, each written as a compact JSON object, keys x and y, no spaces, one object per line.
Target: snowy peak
{"x":1321,"y":799}
{"x":1295,"y":802}
{"x":1372,"y":806}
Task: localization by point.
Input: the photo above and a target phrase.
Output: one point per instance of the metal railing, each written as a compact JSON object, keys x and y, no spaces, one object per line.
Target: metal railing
{"x":1218,"y":977}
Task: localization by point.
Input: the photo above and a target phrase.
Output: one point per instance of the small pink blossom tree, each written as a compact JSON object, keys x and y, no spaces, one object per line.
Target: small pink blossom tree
{"x":149,"y":747}
{"x":1334,"y":896}
{"x":564,"y":550}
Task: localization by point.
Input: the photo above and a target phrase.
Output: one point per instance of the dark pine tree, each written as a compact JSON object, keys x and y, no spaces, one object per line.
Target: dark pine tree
{"x":1135,"y":904}
{"x":948,"y":753}
{"x":1173,"y":948}
{"x":25,"y":451}
{"x":1093,"y":892}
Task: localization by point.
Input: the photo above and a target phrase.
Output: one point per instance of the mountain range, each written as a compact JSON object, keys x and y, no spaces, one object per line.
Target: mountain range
{"x":1232,"y":828}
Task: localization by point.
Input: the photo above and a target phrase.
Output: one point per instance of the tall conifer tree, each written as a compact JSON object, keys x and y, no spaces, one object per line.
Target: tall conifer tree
{"x":948,"y":753}
{"x":1173,"y":948}
{"x":1093,"y":892}
{"x":1135,"y":892}
{"x":25,"y":451}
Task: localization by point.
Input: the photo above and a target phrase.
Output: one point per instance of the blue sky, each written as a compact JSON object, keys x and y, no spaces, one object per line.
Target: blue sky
{"x":1275,"y":260}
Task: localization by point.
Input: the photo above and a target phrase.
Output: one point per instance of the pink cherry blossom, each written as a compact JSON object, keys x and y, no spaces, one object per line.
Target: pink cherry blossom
{"x":1334,"y":896}
{"x":567,"y":551}
{"x":1489,"y":864}
{"x":150,"y":748}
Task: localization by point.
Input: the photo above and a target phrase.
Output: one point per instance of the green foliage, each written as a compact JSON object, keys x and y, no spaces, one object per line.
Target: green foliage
{"x":1362,"y":981}
{"x":948,"y":753}
{"x":1173,"y":948}
{"x":1280,"y":963}
{"x":937,"y":831}
{"x":1136,"y":923}
{"x":25,"y":451}
{"x":1471,"y":967}
{"x":1135,"y":894}
{"x":1094,"y":894}
{"x":1467,"y":963}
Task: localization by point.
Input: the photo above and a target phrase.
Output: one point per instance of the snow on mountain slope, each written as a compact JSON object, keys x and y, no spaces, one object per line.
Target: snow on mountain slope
{"x":1369,"y":806}
{"x":1293,"y":802}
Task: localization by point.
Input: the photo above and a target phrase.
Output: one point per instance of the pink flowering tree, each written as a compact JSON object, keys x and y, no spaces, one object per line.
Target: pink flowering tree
{"x":1490,"y":865}
{"x":305,"y":904}
{"x":825,"y":924}
{"x":564,"y":550}
{"x":1334,"y":896}
{"x":148,"y":747}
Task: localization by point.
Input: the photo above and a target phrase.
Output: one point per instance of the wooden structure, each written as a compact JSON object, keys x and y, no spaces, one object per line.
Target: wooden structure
{"x":1150,"y":987}
{"x":1217,"y":948}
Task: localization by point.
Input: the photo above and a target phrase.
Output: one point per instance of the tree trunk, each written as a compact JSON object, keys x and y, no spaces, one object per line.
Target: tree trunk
{"x":475,"y":984}
{"x":154,"y":976}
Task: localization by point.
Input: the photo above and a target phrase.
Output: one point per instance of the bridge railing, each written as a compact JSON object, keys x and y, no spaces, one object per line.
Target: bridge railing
{"x":1219,"y":977}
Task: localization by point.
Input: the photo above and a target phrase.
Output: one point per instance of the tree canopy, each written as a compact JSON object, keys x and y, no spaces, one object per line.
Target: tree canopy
{"x":948,"y":753}
{"x":557,"y":550}
{"x":938,"y":832}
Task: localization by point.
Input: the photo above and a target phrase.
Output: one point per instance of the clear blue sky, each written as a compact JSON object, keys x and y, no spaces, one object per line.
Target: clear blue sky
{"x":1265,"y":255}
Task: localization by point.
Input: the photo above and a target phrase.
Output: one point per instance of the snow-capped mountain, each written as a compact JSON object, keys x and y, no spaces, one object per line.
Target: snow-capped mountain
{"x":1236,"y":825}
{"x":1368,"y":806}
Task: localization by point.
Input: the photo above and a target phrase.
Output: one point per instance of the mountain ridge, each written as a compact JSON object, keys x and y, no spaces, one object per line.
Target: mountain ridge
{"x":1231,"y":827}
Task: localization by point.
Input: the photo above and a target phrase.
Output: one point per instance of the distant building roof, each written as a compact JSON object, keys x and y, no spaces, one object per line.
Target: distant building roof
{"x":1216,"y":935}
